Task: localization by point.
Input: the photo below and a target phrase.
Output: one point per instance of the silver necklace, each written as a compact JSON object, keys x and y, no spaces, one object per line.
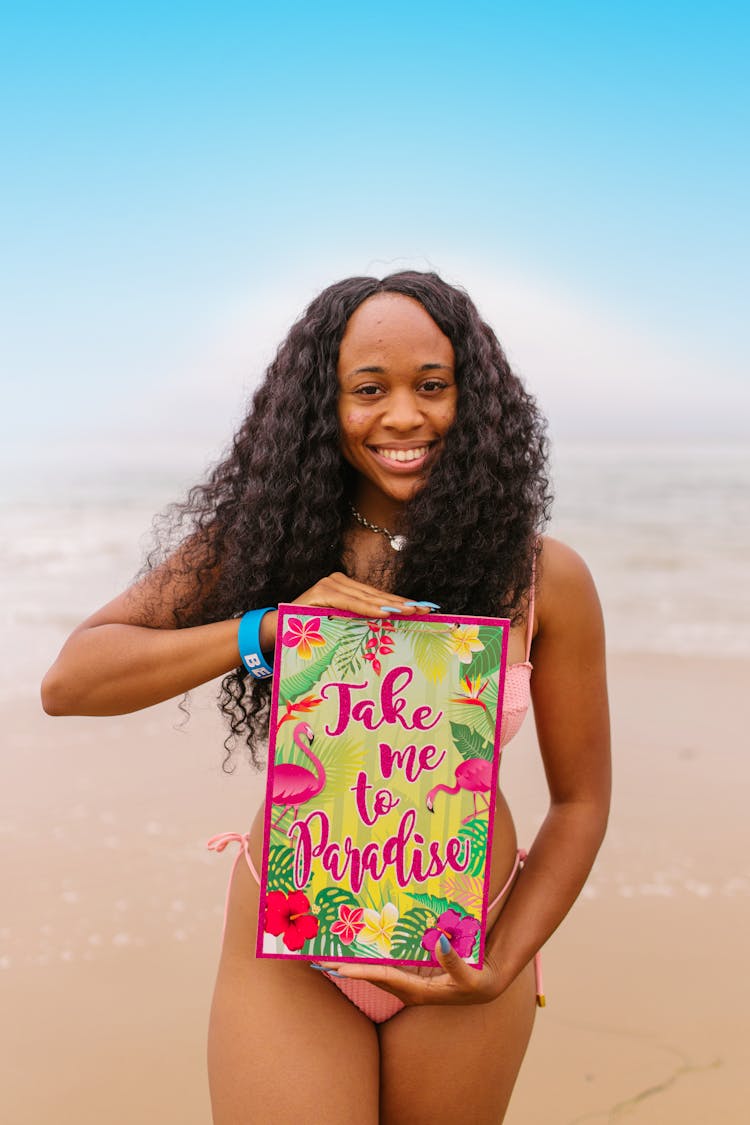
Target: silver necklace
{"x":397,"y":542}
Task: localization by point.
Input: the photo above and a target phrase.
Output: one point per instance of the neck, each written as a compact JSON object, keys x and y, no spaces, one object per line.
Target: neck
{"x":377,"y":508}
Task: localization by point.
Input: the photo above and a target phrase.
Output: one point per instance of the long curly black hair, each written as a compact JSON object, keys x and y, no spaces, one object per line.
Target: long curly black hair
{"x":270,"y":519}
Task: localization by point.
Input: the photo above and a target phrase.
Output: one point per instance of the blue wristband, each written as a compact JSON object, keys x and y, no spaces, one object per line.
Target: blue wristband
{"x":248,"y":641}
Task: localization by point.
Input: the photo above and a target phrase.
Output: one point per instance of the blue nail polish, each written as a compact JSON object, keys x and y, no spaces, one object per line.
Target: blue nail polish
{"x":319,"y":968}
{"x":390,"y":609}
{"x":445,"y":945}
{"x":427,"y":605}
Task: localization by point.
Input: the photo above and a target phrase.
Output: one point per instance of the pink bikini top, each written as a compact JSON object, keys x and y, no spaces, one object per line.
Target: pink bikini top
{"x":517,"y":694}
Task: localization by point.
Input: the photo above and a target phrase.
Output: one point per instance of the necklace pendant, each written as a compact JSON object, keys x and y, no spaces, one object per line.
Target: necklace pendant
{"x":398,"y":542}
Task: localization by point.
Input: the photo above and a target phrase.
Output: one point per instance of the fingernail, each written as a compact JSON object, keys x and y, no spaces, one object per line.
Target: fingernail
{"x":390,"y":609}
{"x":323,"y":969}
{"x":427,"y":605}
{"x":445,"y":945}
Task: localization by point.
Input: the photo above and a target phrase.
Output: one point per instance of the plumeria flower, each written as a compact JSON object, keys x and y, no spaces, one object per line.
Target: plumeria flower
{"x":379,"y":927}
{"x":302,"y":635}
{"x":461,"y":932}
{"x":349,"y":923}
{"x":464,"y":640}
{"x":290,"y":915}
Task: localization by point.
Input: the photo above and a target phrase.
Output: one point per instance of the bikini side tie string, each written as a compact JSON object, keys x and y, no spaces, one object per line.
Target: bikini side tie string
{"x":217,"y":844}
{"x":541,"y":999}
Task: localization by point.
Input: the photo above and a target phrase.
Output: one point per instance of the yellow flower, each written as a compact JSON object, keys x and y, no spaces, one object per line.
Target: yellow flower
{"x":379,"y":928}
{"x":465,"y":641}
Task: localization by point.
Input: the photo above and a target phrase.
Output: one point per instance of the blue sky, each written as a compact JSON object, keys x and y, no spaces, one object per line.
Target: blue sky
{"x":180,"y":179}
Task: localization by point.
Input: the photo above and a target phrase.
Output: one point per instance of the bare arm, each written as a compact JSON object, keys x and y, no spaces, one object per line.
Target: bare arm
{"x":129,"y":654}
{"x":572,"y":718}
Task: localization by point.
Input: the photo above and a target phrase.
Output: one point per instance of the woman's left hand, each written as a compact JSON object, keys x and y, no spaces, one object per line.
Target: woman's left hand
{"x":458,"y":984}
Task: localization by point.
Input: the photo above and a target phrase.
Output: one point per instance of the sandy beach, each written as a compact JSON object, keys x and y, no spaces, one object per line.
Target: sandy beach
{"x":112,"y":912}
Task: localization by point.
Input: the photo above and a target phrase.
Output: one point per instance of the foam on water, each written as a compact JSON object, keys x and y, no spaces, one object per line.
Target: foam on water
{"x":665,"y":530}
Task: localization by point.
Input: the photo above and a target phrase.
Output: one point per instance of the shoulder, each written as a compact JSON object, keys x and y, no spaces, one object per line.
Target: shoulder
{"x":566,"y":595}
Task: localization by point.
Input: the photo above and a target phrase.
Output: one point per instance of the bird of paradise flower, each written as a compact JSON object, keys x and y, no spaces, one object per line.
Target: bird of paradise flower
{"x":470,"y":689}
{"x":300,"y":707}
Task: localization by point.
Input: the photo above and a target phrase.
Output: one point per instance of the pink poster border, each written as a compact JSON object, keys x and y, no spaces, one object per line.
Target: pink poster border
{"x":287,"y":609}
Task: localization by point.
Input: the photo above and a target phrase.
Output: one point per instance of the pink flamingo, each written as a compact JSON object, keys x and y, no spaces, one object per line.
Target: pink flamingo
{"x":474,"y":775}
{"x":293,"y":785}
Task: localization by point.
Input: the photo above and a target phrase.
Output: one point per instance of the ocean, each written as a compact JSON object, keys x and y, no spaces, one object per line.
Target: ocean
{"x":664,"y":529}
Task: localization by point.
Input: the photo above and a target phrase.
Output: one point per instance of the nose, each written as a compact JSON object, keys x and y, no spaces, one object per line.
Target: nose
{"x":403,"y":410}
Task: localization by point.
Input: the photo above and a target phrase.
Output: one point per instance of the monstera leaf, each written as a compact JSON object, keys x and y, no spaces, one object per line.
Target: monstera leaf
{"x":281,"y":869}
{"x":475,"y":831}
{"x":436,"y":905}
{"x":407,"y":937}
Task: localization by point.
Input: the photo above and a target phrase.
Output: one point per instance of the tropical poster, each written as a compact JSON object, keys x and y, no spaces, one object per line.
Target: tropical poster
{"x":383,"y":759}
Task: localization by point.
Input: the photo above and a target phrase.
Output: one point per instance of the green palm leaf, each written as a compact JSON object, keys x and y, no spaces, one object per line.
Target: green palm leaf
{"x":432,"y":651}
{"x":290,"y":687}
{"x":475,"y":831}
{"x":470,"y":743}
{"x":408,"y":934}
{"x":488,"y":660}
{"x":325,"y":944}
{"x":328,"y":901}
{"x":326,"y":909}
{"x":351,"y":649}
{"x":438,"y":906}
{"x":281,"y":869}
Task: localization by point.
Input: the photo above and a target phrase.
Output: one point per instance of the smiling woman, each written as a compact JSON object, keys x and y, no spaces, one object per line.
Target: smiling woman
{"x":389,"y":457}
{"x":397,"y":400}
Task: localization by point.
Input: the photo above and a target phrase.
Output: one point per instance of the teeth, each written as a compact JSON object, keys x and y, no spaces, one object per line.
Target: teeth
{"x":404,"y":454}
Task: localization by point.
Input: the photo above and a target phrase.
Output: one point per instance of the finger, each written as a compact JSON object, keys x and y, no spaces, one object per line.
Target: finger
{"x":387,"y":600}
{"x":462,"y":974}
{"x":338,"y":591}
{"x":408,"y":987}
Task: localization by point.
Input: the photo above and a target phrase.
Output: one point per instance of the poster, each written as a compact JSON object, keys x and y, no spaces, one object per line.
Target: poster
{"x":383,"y":760}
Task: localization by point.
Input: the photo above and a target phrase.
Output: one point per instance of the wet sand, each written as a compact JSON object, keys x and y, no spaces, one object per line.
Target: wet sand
{"x":112,"y":907}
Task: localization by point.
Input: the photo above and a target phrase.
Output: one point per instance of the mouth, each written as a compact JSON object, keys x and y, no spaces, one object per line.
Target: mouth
{"x":400,"y":458}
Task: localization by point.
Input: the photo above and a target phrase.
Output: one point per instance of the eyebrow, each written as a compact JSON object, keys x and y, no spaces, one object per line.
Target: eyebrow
{"x":374,"y":370}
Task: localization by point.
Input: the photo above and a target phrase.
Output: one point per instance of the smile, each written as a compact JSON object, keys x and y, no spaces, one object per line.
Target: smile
{"x":403,"y":455}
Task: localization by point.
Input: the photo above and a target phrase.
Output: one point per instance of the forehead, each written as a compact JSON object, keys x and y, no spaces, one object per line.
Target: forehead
{"x":390,"y":327}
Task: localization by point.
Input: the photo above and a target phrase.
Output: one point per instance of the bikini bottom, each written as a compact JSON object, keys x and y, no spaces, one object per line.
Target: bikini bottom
{"x":376,"y":1003}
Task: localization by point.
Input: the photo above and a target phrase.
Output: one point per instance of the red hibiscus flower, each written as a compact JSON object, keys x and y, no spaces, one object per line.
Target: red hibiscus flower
{"x":350,"y":922}
{"x":290,"y":915}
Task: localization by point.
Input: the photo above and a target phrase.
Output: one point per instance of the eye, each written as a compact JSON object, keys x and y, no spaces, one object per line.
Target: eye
{"x":431,"y":386}
{"x":369,"y":389}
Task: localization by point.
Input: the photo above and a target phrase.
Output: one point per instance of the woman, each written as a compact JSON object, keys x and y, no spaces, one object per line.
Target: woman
{"x":389,"y":419}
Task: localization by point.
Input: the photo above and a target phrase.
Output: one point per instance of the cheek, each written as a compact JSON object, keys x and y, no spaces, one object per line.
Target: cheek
{"x":355,"y":420}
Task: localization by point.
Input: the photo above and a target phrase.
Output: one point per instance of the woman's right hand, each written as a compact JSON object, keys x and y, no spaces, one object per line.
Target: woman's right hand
{"x":338,"y":591}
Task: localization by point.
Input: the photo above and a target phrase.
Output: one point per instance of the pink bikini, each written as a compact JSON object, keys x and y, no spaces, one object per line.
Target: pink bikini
{"x":377,"y":1004}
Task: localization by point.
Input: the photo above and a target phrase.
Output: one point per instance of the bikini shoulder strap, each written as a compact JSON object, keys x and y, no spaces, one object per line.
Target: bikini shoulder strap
{"x":530,"y":618}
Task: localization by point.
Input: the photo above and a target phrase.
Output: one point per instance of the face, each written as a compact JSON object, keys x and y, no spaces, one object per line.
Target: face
{"x":397,"y":399}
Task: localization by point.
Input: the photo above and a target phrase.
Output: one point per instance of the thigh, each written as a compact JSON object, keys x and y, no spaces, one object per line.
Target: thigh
{"x":456,"y":1062}
{"x":283,"y":1043}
